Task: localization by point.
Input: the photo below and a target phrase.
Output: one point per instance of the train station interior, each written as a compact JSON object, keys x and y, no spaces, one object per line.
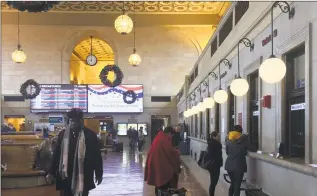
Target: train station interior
{"x":157,"y":87}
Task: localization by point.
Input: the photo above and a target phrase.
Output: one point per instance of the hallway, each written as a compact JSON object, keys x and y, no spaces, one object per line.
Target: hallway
{"x":123,"y":175}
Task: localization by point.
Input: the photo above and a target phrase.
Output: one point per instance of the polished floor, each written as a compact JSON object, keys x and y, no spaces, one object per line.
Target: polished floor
{"x":123,"y":175}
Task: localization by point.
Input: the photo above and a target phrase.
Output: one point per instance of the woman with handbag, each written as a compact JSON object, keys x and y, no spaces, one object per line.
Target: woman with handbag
{"x":214,"y":151}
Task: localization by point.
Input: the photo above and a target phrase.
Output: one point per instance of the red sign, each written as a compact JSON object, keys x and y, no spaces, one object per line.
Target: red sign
{"x":269,"y":38}
{"x":240,"y":119}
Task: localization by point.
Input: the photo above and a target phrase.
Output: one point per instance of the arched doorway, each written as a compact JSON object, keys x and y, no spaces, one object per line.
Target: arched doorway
{"x":80,"y":72}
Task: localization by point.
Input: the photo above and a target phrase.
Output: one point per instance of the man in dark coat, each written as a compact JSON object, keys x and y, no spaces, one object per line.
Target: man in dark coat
{"x":76,"y":158}
{"x":236,"y":164}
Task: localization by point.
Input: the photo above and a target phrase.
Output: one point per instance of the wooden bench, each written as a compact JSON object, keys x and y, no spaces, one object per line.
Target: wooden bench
{"x":248,"y":188}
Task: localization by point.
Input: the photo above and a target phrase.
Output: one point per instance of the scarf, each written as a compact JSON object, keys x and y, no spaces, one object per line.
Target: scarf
{"x":77,"y":184}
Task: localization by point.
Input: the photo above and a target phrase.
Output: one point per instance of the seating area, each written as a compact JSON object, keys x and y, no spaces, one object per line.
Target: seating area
{"x":18,"y":154}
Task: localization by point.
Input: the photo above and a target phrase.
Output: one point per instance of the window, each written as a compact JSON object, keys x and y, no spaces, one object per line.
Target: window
{"x":217,"y":117}
{"x":201,"y":125}
{"x":225,"y":29}
{"x":196,"y":125}
{"x":213,"y":47}
{"x":253,"y":111}
{"x":196,"y":71}
{"x":231,"y":107}
{"x":161,"y":99}
{"x":295,"y":103}
{"x":240,"y":9}
{"x":207,"y":122}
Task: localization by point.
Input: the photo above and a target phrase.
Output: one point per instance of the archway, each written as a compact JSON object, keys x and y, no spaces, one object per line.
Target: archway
{"x":80,"y":72}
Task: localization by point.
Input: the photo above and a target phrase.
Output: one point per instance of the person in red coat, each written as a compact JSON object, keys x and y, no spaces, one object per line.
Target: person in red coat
{"x":163,"y":162}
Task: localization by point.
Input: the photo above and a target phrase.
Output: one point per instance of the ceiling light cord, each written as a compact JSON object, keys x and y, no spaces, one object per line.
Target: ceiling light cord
{"x":134,"y":50}
{"x":90,"y":45}
{"x":19,"y":46}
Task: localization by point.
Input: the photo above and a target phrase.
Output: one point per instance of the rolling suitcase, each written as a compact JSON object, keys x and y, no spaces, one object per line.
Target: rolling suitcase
{"x":119,"y":147}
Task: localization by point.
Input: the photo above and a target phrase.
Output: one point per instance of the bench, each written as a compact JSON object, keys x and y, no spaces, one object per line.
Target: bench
{"x":248,"y":188}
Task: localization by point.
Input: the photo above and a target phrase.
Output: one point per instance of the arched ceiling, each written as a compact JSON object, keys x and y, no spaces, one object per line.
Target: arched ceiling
{"x":100,"y":49}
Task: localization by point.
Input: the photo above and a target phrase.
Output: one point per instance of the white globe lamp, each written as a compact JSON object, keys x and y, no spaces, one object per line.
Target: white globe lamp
{"x":201,"y":107}
{"x":272,"y":70}
{"x":135,"y":59}
{"x":123,"y":24}
{"x":209,"y":102}
{"x":189,"y":112}
{"x":186,"y":114}
{"x":18,"y":55}
{"x":195,"y":110}
{"x":239,"y":87}
{"x":220,"y":96}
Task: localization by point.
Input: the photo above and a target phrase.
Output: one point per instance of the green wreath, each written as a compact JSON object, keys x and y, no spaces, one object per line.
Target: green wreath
{"x":32,"y":6}
{"x":129,"y":93}
{"x":104,"y":75}
{"x":27,"y":84}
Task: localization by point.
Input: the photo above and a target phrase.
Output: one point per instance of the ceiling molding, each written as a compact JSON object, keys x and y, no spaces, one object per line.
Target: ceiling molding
{"x":101,"y":19}
{"x":145,"y":7}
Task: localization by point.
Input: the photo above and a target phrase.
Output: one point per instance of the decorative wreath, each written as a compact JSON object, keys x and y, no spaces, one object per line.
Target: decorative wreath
{"x":104,"y":75}
{"x":27,"y":84}
{"x":32,"y":6}
{"x":129,"y":93}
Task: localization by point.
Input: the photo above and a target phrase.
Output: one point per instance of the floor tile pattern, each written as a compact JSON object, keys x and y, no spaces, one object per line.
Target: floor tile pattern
{"x":123,"y":175}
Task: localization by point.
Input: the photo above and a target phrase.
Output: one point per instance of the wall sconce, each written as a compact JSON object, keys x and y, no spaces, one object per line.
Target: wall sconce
{"x":221,"y":96}
{"x":240,"y":86}
{"x":273,"y":69}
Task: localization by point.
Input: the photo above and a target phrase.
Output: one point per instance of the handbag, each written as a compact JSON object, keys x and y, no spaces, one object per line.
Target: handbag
{"x":205,"y":160}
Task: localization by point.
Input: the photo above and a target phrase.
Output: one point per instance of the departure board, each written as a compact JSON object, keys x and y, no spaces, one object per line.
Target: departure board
{"x":60,"y":98}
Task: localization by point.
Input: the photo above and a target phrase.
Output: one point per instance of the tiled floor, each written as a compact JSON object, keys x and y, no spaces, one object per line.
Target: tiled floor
{"x":123,"y":175}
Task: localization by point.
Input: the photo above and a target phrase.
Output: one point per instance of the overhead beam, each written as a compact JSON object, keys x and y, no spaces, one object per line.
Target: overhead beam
{"x":102,"y":19}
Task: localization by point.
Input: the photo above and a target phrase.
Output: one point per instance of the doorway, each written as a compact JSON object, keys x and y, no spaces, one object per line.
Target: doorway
{"x":158,"y":122}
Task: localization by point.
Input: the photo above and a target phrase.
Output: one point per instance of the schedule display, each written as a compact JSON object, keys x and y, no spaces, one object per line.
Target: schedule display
{"x":60,"y":98}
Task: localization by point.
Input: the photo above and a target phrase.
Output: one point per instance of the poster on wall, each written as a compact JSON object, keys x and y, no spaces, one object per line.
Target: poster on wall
{"x":104,"y":99}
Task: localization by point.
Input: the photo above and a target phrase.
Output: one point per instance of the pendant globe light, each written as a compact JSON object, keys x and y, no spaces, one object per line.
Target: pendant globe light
{"x":195,"y":110}
{"x":18,"y":55}
{"x":209,"y":102}
{"x":273,"y":69}
{"x":221,"y":96}
{"x":240,"y":86}
{"x":134,"y":58}
{"x":123,"y":24}
{"x":201,"y":107}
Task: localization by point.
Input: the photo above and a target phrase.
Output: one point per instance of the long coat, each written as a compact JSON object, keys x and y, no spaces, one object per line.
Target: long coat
{"x":92,"y":163}
{"x":236,"y":151}
{"x":163,"y":162}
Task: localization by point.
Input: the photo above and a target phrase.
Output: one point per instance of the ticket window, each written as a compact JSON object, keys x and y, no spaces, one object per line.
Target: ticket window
{"x":295,"y":103}
{"x":17,"y":122}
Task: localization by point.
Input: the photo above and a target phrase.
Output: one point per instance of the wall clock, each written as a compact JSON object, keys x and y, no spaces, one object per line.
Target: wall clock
{"x":91,"y":59}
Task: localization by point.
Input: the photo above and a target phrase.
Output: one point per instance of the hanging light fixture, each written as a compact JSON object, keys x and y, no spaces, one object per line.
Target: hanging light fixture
{"x":221,"y":96}
{"x":240,"y":86}
{"x":134,"y":58}
{"x":186,"y":114}
{"x":273,"y":69}
{"x":195,"y":110}
{"x":18,"y":55}
{"x":201,"y":107}
{"x":123,"y":23}
{"x":209,"y":101}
